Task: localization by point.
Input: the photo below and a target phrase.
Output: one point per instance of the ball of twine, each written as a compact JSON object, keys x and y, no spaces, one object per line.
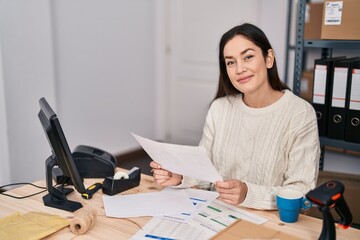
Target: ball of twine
{"x":83,"y":220}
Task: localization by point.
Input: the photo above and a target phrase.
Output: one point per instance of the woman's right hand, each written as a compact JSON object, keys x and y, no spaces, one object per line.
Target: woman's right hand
{"x":164,"y":177}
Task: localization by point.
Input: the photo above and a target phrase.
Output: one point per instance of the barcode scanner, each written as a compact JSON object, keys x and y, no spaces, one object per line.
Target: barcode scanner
{"x":330,"y":195}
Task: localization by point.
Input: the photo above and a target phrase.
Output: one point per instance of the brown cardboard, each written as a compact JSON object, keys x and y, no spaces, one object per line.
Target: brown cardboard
{"x":351,"y":194}
{"x":313,"y":20}
{"x":349,"y":26}
{"x":253,"y":231}
{"x":307,"y":83}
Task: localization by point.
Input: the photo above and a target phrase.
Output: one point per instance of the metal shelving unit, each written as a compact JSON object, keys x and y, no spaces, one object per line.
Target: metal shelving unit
{"x":343,"y":44}
{"x":326,"y":52}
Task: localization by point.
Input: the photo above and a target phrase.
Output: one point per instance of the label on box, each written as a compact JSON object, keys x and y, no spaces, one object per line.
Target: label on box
{"x":333,"y":13}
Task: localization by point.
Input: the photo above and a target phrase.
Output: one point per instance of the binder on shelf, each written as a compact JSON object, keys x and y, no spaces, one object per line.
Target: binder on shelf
{"x":339,"y":92}
{"x":323,"y":70}
{"x":352,"y":126}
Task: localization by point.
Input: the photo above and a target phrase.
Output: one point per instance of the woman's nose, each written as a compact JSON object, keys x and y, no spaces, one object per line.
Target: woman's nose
{"x":240,"y":68}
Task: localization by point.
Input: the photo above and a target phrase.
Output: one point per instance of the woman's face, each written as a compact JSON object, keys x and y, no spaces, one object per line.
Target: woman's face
{"x":246,"y":66}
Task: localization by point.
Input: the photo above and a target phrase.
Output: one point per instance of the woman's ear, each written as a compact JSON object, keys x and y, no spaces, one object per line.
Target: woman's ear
{"x":269,"y":60}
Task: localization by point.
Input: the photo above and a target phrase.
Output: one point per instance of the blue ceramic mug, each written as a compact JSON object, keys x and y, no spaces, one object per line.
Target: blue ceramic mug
{"x":289,"y":203}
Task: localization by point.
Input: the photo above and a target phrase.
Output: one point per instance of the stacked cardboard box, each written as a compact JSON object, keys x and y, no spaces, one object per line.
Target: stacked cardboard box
{"x":313,"y":20}
{"x":333,"y":20}
{"x":340,"y":20}
{"x":307,"y":83}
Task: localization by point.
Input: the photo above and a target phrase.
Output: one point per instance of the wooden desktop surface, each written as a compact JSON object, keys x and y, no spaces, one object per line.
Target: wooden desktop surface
{"x":115,"y":228}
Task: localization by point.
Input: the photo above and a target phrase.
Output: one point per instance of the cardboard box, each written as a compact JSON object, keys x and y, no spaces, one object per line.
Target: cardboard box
{"x":307,"y":84}
{"x":313,"y":20}
{"x":351,"y":194}
{"x":340,"y":20}
{"x":253,"y":231}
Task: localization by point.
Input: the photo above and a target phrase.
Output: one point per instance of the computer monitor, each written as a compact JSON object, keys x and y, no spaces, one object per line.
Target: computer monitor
{"x":61,"y":157}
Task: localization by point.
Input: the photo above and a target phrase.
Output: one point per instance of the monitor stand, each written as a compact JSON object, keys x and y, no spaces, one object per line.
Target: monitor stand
{"x":57,"y":196}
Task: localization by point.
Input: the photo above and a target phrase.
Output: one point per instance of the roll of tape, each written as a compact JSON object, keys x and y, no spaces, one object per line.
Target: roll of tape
{"x":132,"y":170}
{"x":121,"y":175}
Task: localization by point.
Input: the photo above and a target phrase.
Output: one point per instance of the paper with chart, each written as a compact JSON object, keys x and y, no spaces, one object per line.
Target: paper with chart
{"x":204,"y":224}
{"x":199,"y":198}
{"x":191,"y":161}
{"x":219,"y":215}
{"x":159,"y":228}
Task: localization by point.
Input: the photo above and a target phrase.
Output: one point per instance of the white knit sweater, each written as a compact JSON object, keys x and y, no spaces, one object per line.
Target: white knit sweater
{"x":267,"y":148}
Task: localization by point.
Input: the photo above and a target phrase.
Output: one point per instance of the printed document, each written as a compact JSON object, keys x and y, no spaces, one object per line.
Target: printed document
{"x":191,"y":161}
{"x":219,"y":215}
{"x":205,"y":224}
{"x":165,"y":229}
{"x":199,"y":198}
{"x":148,"y":204}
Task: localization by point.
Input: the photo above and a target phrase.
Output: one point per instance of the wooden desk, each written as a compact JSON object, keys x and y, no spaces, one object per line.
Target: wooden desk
{"x":114,"y":228}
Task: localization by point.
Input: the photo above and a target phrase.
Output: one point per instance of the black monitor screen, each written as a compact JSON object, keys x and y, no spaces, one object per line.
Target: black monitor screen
{"x":61,"y":154}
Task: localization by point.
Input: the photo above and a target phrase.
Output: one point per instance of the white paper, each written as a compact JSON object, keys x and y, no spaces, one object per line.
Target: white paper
{"x":148,"y":204}
{"x":199,"y":198}
{"x":159,"y":228}
{"x":191,"y":161}
{"x":219,"y":215}
{"x":208,"y":222}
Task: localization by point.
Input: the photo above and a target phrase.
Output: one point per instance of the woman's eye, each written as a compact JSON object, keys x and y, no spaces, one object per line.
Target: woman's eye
{"x":248,"y":57}
{"x":230,"y":63}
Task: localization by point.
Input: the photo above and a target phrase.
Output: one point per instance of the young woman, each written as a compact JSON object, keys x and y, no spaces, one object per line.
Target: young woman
{"x":258,"y":134}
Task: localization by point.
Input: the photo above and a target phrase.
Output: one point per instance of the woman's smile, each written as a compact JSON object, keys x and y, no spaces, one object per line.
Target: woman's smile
{"x":244,"y":79}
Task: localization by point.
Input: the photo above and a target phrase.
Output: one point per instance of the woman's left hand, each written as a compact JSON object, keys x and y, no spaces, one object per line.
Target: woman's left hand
{"x":164,"y":177}
{"x":232,"y":191}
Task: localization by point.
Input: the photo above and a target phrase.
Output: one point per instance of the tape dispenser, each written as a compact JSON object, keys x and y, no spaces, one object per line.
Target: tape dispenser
{"x":121,"y":181}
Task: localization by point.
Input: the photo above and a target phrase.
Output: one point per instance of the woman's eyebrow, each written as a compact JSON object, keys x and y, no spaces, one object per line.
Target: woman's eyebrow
{"x":246,"y":50}
{"x":242,"y":53}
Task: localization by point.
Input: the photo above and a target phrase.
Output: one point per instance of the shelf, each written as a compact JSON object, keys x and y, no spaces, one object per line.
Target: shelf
{"x":340,"y":144}
{"x":341,"y":44}
{"x":326,"y":47}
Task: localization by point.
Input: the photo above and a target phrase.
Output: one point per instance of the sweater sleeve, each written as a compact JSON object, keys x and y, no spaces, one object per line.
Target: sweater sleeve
{"x":302,"y":153}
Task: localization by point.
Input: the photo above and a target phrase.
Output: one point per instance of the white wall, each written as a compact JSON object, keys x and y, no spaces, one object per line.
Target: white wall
{"x":161,"y":64}
{"x":27,"y":56}
{"x":105,"y":71}
{"x":4,"y":146}
{"x":93,"y":60}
